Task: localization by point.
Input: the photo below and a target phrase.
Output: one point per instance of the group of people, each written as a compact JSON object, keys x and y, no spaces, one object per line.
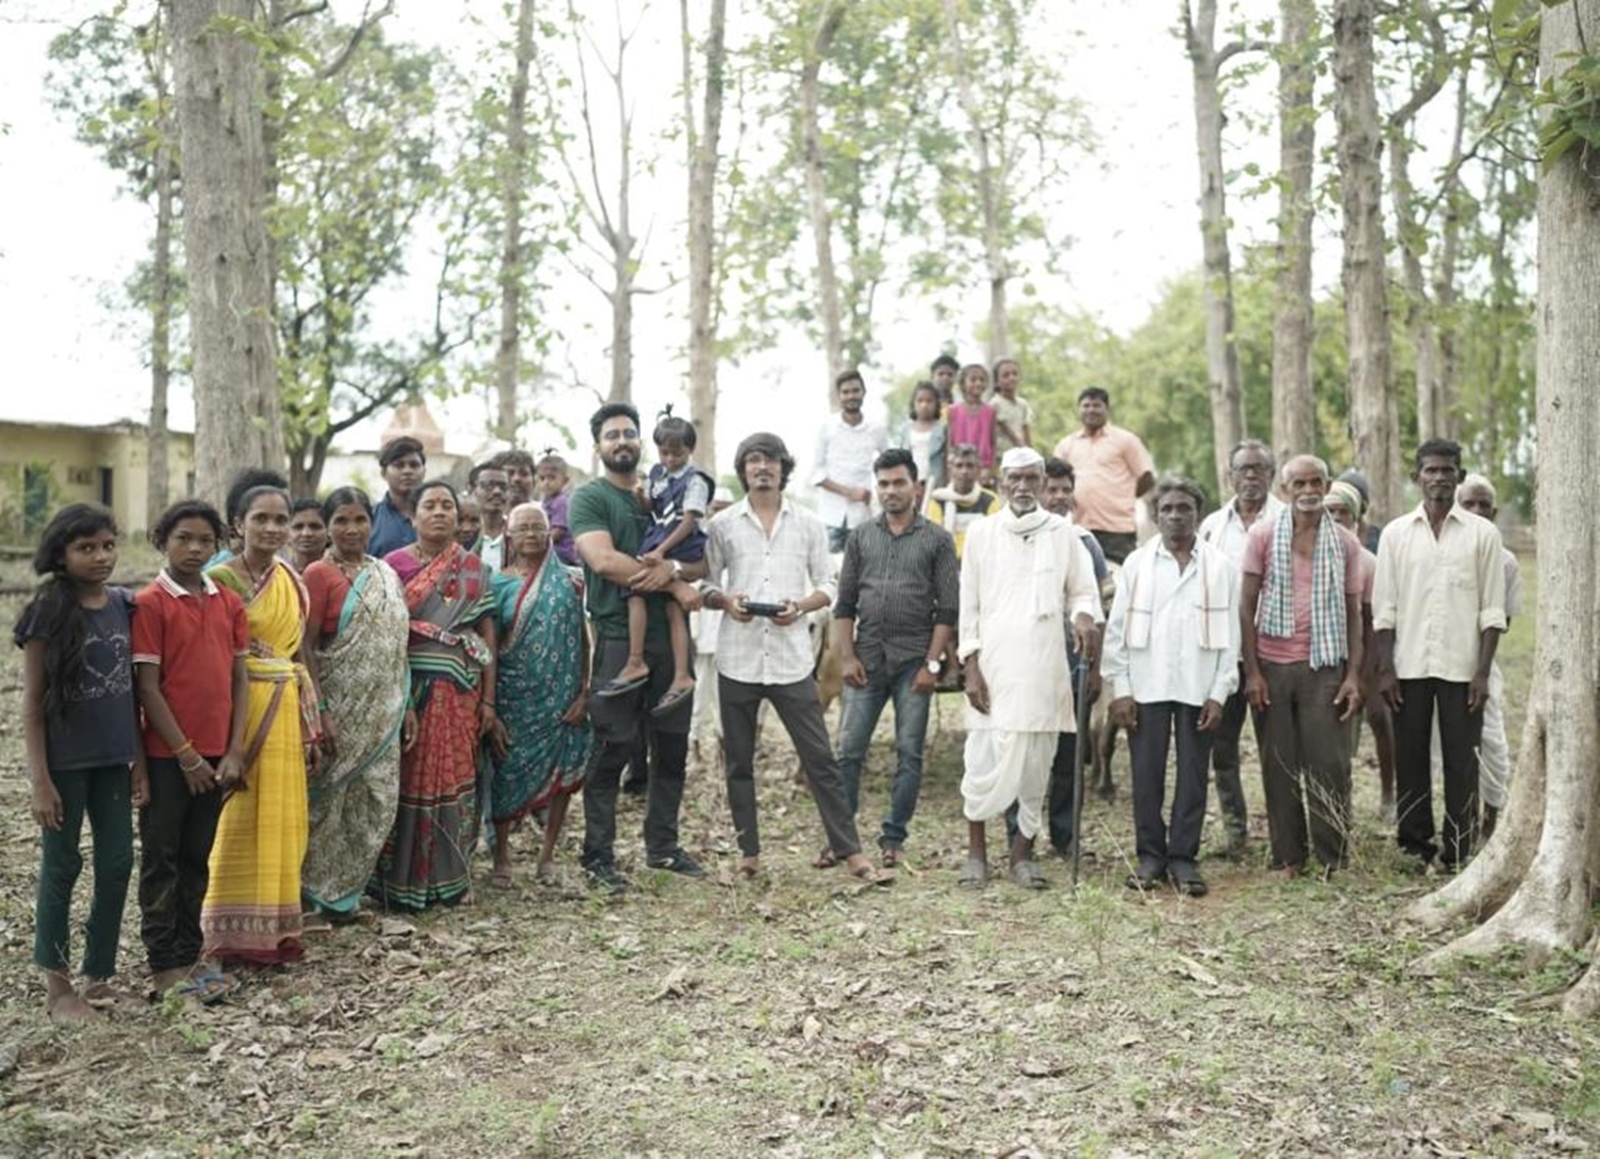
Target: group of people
{"x":315,"y":704}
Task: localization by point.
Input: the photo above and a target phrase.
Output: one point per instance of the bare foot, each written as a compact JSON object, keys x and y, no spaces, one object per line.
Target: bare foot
{"x":500,"y":877}
{"x":683,"y":683}
{"x":547,"y":872}
{"x":71,"y":1007}
{"x":749,"y":867}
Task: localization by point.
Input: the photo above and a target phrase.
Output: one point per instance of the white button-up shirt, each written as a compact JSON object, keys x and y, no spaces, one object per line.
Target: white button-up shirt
{"x":789,"y":565}
{"x":1224,"y":530}
{"x":845,"y":454}
{"x":1437,"y":594}
{"x":1173,"y":665}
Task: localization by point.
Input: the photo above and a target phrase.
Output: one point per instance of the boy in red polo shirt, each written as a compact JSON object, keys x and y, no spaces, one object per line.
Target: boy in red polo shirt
{"x":190,"y":638}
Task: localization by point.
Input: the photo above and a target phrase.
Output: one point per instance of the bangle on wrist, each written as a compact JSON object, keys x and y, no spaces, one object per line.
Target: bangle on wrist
{"x":190,"y":768}
{"x":186,"y":747}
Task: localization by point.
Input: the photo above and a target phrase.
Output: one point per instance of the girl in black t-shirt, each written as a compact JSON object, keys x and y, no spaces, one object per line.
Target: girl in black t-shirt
{"x":81,"y":732}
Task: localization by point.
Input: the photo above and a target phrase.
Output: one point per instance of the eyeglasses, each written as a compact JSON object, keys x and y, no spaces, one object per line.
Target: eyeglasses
{"x":611,"y":436}
{"x":485,"y":485}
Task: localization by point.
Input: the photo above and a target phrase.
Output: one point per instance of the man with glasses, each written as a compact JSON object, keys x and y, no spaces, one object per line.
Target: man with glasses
{"x":1226,"y":529}
{"x":490,"y":487}
{"x":608,"y":526}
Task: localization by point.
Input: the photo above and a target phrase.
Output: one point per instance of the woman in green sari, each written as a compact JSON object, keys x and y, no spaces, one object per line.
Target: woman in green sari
{"x":544,"y":690}
{"x":356,"y":635}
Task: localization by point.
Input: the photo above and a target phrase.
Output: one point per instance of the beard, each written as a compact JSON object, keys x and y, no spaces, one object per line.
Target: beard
{"x":623,"y":460}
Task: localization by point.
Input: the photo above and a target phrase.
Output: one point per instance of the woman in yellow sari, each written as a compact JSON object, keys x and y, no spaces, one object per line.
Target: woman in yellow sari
{"x":252,"y":907}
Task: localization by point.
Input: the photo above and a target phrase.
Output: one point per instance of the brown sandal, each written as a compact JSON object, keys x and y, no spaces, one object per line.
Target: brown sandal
{"x":827,"y":859}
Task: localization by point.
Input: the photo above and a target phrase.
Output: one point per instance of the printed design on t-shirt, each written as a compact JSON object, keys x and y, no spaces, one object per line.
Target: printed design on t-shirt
{"x":107,"y":665}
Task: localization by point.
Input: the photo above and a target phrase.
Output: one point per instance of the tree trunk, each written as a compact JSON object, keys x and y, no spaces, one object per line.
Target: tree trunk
{"x":1413,"y":230}
{"x":704,"y":141}
{"x":1374,"y":416}
{"x":1222,"y":355}
{"x":508,"y":353}
{"x":1294,"y":416}
{"x":1550,"y":909}
{"x":1417,"y":318}
{"x":1447,"y":396}
{"x":817,"y":191}
{"x":157,"y":486}
{"x":996,"y":263}
{"x":218,"y":93}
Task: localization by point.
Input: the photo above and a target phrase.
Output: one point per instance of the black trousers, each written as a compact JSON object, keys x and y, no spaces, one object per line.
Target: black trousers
{"x":175,"y":831}
{"x":1158,"y":842}
{"x":801,"y":713}
{"x":1225,"y":763}
{"x":617,"y":721}
{"x":1459,"y":733}
{"x":1118,"y":545}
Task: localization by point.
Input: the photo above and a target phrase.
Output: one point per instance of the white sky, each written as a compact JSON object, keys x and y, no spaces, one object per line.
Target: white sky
{"x":69,"y":237}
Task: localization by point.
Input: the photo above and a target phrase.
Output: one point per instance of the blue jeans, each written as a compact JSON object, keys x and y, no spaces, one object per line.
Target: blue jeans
{"x":858,"y":719}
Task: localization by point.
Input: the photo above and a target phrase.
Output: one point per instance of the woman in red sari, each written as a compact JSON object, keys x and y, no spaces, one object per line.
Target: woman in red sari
{"x":427,"y":858}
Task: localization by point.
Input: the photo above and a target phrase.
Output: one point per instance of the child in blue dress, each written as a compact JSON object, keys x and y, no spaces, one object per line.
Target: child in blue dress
{"x":676,"y":496}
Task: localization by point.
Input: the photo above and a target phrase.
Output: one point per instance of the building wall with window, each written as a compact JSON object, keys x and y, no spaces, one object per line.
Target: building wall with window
{"x":44,"y":466}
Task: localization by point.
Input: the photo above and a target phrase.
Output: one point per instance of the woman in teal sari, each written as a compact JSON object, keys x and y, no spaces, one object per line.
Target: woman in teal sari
{"x":543,"y":686}
{"x":356,"y":636}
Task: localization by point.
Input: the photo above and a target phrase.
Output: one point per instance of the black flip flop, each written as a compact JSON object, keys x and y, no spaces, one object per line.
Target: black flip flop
{"x":673,"y":698}
{"x":615,"y":687}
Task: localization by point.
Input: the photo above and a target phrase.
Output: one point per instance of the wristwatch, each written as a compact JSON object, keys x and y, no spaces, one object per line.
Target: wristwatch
{"x":677,"y":570}
{"x":933,"y":666}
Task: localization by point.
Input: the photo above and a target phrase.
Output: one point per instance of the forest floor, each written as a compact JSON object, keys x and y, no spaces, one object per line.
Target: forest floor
{"x":802,"y":1016}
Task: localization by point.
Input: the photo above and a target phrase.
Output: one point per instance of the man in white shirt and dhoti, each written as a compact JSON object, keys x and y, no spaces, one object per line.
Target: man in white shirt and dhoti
{"x":1022,"y":572}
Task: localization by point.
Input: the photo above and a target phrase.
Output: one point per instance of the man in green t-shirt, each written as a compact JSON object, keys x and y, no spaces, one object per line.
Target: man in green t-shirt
{"x":607,"y":525}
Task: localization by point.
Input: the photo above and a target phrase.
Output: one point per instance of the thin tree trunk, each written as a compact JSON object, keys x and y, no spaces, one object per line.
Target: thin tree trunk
{"x":157,"y":485}
{"x":1374,"y":416}
{"x":1294,"y":420}
{"x":996,"y":263}
{"x":704,"y":142}
{"x":508,"y":352}
{"x":1447,"y":398}
{"x":817,"y":190}
{"x":1413,"y":232}
{"x":1222,"y":354}
{"x":1550,"y":910}
{"x":218,"y":92}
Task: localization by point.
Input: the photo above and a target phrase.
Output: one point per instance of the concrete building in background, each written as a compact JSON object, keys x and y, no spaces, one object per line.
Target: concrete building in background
{"x":44,"y":465}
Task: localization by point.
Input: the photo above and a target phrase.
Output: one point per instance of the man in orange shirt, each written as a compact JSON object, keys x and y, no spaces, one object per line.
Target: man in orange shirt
{"x":1113,"y":469}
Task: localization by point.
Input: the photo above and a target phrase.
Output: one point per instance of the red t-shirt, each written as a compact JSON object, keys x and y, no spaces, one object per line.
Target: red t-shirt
{"x":328,"y":588}
{"x":1295,"y":649}
{"x":193,"y":638}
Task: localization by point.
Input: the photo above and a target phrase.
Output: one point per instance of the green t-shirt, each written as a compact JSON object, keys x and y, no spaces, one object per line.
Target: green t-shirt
{"x":600,"y":506}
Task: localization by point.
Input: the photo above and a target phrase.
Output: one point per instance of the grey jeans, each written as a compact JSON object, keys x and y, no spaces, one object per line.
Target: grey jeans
{"x":801,"y":712}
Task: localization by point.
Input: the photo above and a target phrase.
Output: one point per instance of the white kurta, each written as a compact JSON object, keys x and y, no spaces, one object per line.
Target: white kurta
{"x":1018,"y":638}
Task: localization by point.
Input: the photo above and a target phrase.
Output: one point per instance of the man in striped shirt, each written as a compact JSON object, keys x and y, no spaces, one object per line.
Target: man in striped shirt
{"x":893,"y":619}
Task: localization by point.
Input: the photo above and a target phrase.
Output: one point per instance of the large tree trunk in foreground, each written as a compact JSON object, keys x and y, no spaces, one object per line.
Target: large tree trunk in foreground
{"x":1294,"y":416}
{"x":218,"y":95}
{"x":1222,"y":354}
{"x":508,"y":353}
{"x":1550,"y":908}
{"x":704,"y":140}
{"x":1374,"y":416}
{"x":817,"y":191}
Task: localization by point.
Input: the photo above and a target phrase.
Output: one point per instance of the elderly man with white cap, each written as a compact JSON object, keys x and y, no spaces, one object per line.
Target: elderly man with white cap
{"x":1024,"y":570}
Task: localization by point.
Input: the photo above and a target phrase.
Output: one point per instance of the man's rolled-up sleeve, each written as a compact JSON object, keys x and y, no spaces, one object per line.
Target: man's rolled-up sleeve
{"x":946,"y":582}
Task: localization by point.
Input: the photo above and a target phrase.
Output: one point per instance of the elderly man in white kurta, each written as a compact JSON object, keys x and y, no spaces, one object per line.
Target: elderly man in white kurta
{"x":1023,"y":570}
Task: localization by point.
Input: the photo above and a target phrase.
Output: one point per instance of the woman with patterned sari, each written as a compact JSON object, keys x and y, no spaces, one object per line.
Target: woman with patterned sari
{"x":355,"y":646}
{"x":251,"y":911}
{"x":452,"y":658}
{"x":544,"y":691}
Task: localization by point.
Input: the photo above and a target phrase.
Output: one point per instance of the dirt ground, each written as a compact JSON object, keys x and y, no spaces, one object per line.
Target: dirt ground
{"x":801,"y":1016}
